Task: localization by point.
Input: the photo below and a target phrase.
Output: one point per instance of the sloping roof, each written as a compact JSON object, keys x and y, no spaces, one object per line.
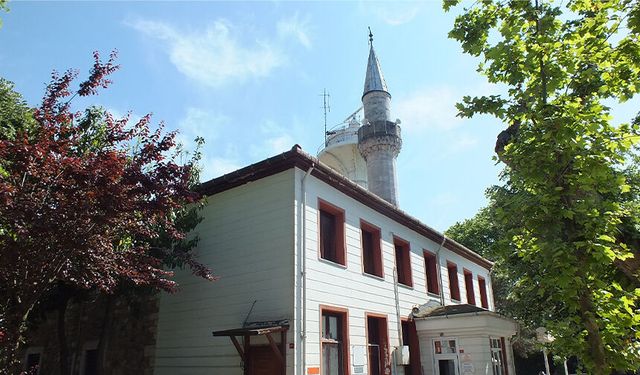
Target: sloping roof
{"x":374,"y":80}
{"x":256,"y":328}
{"x":448,"y":310}
{"x":300,"y":159}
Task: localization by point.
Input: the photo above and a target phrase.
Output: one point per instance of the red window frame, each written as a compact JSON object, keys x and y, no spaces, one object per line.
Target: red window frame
{"x":410,"y":338}
{"x":431,"y":272}
{"x":384,"y":363}
{"x":468,"y":285}
{"x":371,"y":257}
{"x":333,"y":249}
{"x":454,"y":287}
{"x":343,"y":314}
{"x":402,"y":253}
{"x":482,"y":284}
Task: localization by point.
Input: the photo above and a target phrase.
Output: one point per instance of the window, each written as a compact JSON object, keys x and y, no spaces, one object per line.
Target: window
{"x":431,"y":269}
{"x":453,"y":281}
{"x":371,"y":253}
{"x":377,"y":345}
{"x":483,"y":292}
{"x":468,"y":285}
{"x":334,"y":342}
{"x":444,"y":346}
{"x":331,"y":233}
{"x":32,"y":361}
{"x":498,"y":356}
{"x":403,"y":261}
{"x":90,"y":358}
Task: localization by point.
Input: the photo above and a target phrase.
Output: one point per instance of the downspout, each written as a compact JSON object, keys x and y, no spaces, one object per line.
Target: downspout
{"x":398,"y":318}
{"x":439,"y":271}
{"x":303,"y":271}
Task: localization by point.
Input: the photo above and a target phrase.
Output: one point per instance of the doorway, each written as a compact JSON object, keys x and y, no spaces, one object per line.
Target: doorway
{"x":447,"y":366}
{"x":445,"y":355}
{"x":263,"y":361}
{"x":378,"y":345}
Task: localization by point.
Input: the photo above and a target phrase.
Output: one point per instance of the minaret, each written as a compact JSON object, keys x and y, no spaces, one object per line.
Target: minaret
{"x":379,"y":139}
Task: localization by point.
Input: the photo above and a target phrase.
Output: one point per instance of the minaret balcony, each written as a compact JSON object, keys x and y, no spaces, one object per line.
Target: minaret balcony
{"x":376,"y":129}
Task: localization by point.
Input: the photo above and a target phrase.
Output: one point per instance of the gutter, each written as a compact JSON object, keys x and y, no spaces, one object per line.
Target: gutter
{"x":303,"y":272}
{"x":439,"y":271}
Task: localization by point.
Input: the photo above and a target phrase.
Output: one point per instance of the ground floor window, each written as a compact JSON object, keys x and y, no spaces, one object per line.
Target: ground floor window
{"x":90,"y":358}
{"x":334,"y":342}
{"x":32,"y":361}
{"x":498,"y":356}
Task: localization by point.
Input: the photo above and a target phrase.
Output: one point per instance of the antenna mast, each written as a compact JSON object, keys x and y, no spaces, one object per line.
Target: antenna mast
{"x":327,"y":108}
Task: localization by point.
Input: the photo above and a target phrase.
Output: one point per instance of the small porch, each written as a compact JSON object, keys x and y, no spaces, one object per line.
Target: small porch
{"x":260,"y":356}
{"x":464,"y":340}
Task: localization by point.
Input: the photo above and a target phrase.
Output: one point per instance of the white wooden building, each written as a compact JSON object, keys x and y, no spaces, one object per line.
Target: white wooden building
{"x":261,"y":233}
{"x":319,"y":275}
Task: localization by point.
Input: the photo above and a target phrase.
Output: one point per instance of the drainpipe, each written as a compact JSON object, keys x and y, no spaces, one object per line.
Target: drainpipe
{"x":303,"y":272}
{"x":439,"y":271}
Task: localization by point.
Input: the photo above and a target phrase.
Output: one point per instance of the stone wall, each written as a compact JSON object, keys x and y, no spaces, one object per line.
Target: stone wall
{"x":129,"y":339}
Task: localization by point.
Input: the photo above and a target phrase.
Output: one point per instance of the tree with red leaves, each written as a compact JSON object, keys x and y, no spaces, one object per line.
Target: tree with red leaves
{"x":87,"y":202}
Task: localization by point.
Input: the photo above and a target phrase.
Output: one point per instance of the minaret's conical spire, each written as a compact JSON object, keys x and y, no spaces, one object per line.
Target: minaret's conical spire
{"x":374,"y":80}
{"x":379,"y":139}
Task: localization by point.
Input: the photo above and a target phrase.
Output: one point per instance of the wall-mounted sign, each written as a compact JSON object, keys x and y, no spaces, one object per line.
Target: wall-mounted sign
{"x":468,"y":368}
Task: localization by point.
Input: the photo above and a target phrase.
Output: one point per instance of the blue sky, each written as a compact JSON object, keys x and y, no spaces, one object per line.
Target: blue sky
{"x":248,"y":77}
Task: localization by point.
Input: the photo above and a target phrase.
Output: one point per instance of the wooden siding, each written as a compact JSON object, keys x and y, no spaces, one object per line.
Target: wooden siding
{"x":247,"y":238}
{"x":348,"y":287}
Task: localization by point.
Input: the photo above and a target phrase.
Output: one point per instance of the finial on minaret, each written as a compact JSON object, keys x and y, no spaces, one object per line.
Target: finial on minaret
{"x":370,"y":36}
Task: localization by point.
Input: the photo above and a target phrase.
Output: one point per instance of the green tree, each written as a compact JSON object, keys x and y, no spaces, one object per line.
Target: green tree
{"x":15,"y":114}
{"x":3,"y":7}
{"x":566,"y":203}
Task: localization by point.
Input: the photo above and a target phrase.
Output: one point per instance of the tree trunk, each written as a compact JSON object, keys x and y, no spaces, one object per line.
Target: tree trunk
{"x":594,"y":338}
{"x":103,"y":341}
{"x":62,"y":335}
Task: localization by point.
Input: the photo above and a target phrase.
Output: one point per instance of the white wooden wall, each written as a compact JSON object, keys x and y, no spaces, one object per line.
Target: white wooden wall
{"x":348,"y":287}
{"x":246,"y":237}
{"x":477,"y":347}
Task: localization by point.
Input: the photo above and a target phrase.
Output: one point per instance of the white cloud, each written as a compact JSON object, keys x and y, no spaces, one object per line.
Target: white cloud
{"x":218,"y":166}
{"x":214,"y":56}
{"x":200,"y":123}
{"x":117,"y":115}
{"x":428,"y":109}
{"x":394,"y":14}
{"x":463,"y":142}
{"x":294,"y":27}
{"x":278,"y":140}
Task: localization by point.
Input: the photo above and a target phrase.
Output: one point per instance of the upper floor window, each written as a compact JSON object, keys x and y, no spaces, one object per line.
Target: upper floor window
{"x":431,"y":270}
{"x":452,"y":270}
{"x":371,"y":252}
{"x":468,"y":284}
{"x":331,"y":233}
{"x":403,"y":261}
{"x":483,"y":292}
